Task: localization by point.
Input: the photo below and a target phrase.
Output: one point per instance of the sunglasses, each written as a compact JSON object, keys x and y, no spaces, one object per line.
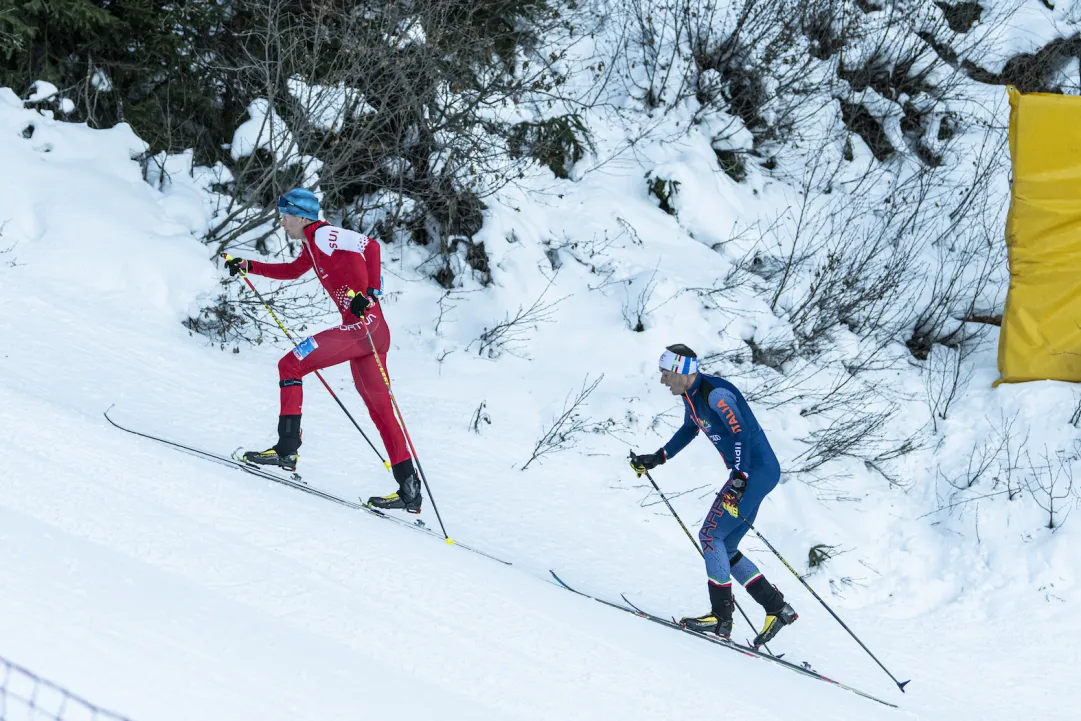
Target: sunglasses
{"x":286,"y":205}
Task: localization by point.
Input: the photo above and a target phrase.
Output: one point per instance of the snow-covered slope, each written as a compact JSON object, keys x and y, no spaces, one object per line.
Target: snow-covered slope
{"x":169,"y":588}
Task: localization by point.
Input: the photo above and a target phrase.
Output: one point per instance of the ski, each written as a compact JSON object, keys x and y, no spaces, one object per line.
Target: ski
{"x":418,"y":525}
{"x":748,"y":644}
{"x":294,"y":481}
{"x":739,"y":648}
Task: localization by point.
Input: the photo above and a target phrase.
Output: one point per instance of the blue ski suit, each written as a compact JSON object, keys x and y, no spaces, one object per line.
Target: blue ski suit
{"x":718,"y":409}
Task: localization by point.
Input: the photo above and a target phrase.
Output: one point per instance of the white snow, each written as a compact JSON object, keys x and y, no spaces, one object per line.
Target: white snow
{"x":328,"y":106}
{"x":167,"y":587}
{"x":100,"y":81}
{"x":42,"y":90}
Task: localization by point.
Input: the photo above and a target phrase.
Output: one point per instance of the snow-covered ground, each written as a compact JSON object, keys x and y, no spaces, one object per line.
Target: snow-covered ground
{"x":167,"y":587}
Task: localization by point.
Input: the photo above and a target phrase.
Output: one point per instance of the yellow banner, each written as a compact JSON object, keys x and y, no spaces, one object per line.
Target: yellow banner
{"x":1041,"y":325}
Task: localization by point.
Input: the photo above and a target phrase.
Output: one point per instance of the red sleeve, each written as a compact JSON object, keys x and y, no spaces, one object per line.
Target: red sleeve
{"x":283,"y":271}
{"x":373,"y":265}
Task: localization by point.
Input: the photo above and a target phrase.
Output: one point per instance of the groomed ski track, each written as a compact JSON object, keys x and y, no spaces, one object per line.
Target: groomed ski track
{"x":255,"y":603}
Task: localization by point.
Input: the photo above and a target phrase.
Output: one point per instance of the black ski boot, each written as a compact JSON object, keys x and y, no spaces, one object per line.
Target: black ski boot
{"x":408,"y":497}
{"x":284,"y":453}
{"x":785,"y":616}
{"x":719,"y":620}
{"x":778,"y":613}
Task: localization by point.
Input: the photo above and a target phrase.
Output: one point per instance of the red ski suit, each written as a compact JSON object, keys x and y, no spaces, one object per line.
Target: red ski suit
{"x":343,"y":260}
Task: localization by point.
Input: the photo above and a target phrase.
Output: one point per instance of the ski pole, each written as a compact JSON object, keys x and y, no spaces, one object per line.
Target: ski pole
{"x":405,"y":431}
{"x":244,"y":275}
{"x":900,"y":684}
{"x":696,"y":546}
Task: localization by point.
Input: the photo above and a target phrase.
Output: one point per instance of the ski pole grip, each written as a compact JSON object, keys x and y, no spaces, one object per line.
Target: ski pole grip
{"x":243,"y":273}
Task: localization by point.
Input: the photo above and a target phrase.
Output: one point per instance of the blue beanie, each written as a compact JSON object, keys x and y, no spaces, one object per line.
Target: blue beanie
{"x":299,"y":202}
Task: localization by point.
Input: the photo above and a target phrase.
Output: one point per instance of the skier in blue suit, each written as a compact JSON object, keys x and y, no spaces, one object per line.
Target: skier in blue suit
{"x":715,"y":407}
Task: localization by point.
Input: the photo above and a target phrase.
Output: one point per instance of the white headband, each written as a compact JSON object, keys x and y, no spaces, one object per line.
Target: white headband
{"x":678,"y":364}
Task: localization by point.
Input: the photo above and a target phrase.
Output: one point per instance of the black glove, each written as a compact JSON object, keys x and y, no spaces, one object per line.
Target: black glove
{"x":649,"y":461}
{"x":360,"y":305}
{"x":236,"y":265}
{"x":733,"y":491}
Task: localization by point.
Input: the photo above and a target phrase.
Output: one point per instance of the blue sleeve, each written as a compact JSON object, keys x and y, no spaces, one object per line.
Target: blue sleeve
{"x":682,"y":437}
{"x":725,"y":403}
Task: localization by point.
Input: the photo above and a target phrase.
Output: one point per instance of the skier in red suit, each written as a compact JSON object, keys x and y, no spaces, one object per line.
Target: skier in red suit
{"x":344,"y":261}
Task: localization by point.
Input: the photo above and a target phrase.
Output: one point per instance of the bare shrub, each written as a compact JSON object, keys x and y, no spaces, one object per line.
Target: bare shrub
{"x":855,"y":434}
{"x":12,"y":261}
{"x":480,"y":416}
{"x":820,"y":553}
{"x":636,"y":305}
{"x":968,"y":254}
{"x":670,"y":418}
{"x":996,"y":466}
{"x":746,"y":271}
{"x":847,"y":389}
{"x":237,"y":317}
{"x":893,"y":450}
{"x":945,"y":378}
{"x":961,"y":16}
{"x":858,"y":281}
{"x":749,"y":63}
{"x":508,"y":335}
{"x":1050,"y":481}
{"x":392,"y":111}
{"x":656,"y":28}
{"x":568,"y":427}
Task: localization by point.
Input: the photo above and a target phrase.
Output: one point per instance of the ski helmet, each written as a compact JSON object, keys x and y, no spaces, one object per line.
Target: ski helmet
{"x":299,"y":202}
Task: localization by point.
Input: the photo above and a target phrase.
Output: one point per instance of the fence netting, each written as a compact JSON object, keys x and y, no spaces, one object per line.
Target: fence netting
{"x":25,"y":696}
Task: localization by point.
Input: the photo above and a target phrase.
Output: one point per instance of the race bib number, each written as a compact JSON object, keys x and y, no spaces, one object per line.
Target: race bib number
{"x":305,"y":347}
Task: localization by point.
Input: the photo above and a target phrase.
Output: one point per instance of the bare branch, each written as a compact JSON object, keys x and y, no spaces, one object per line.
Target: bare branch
{"x":565,"y":430}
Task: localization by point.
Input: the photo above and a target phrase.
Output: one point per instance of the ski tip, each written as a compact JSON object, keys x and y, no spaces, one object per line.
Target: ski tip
{"x":901,"y":685}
